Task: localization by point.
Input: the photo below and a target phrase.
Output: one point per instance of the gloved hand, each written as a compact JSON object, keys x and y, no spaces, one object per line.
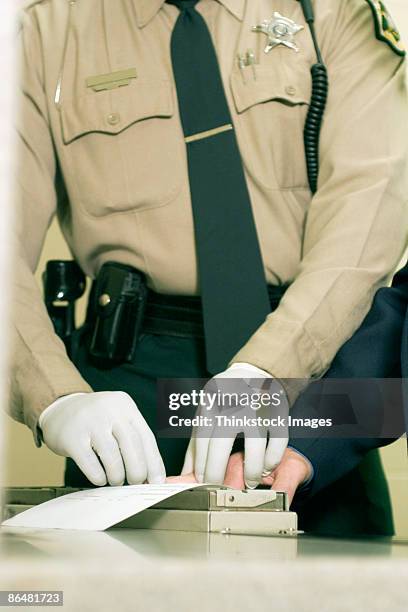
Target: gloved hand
{"x":293,"y":471}
{"x":106,"y":436}
{"x":208,"y":452}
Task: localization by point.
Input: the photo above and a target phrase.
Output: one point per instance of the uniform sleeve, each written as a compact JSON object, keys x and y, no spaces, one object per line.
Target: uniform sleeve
{"x":373,"y":352}
{"x":40,"y":369}
{"x":356,"y":226}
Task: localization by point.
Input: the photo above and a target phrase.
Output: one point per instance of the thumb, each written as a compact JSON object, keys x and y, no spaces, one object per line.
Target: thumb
{"x":284,"y":483}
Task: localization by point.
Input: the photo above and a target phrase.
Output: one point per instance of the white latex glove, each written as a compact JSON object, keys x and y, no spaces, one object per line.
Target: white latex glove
{"x":106,"y":436}
{"x":207,"y":457}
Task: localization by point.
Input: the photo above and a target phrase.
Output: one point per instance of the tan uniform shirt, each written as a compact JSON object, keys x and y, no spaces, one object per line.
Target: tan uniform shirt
{"x":122,"y":156}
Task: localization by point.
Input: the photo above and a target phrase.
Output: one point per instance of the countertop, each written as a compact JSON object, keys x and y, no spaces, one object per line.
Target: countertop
{"x":123,"y":569}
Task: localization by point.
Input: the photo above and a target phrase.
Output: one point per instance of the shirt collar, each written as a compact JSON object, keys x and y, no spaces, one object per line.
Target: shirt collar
{"x":147,"y":9}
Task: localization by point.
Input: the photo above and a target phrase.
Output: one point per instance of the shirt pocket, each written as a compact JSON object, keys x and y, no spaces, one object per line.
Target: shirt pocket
{"x":271,"y":111}
{"x":121,"y":148}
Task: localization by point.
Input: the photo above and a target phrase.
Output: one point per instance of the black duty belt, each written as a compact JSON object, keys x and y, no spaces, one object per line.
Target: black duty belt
{"x":182,"y":316}
{"x":121,"y":307}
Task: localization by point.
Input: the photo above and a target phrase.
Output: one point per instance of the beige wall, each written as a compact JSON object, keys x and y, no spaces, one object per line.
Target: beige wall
{"x":27,"y":465}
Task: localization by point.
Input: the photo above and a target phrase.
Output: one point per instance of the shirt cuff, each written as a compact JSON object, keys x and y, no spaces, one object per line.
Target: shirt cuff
{"x":250,"y":368}
{"x":308,"y":481}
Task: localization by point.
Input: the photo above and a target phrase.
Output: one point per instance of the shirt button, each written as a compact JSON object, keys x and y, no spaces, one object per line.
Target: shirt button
{"x":113,"y":118}
{"x":290,"y":90}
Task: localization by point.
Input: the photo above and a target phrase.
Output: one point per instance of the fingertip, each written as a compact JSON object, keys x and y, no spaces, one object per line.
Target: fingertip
{"x":156,"y":471}
{"x":116,"y":482}
{"x":251,"y":484}
{"x":99,"y":481}
{"x":274,"y":453}
{"x":157,"y":479}
{"x":134,"y":481}
{"x":252,"y":475}
{"x":213,"y":478}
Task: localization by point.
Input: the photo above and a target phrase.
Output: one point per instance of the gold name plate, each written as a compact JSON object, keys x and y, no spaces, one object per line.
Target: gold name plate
{"x":120,"y":78}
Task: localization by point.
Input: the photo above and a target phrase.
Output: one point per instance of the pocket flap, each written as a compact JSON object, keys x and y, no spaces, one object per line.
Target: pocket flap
{"x":113,"y":111}
{"x":290,"y":85}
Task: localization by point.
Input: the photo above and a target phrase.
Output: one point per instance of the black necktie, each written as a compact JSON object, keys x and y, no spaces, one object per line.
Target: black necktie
{"x":232,"y":281}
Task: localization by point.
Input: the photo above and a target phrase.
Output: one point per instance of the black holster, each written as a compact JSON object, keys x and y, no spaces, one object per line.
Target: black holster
{"x":64,"y":283}
{"x":115,"y":313}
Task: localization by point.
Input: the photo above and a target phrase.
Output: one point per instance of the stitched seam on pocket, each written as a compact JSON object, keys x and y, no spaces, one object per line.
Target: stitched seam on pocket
{"x":126,"y":105}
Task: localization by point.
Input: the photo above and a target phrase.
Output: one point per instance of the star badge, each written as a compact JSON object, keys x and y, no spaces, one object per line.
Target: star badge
{"x":280,"y":31}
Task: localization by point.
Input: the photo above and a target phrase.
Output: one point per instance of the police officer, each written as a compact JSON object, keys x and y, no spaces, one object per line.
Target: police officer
{"x":168,"y":137}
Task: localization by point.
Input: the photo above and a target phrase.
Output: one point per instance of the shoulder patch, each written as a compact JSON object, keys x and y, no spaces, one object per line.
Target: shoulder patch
{"x":385,"y":27}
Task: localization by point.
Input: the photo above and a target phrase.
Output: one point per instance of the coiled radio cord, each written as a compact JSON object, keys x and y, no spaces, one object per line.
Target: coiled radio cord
{"x":315,"y":115}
